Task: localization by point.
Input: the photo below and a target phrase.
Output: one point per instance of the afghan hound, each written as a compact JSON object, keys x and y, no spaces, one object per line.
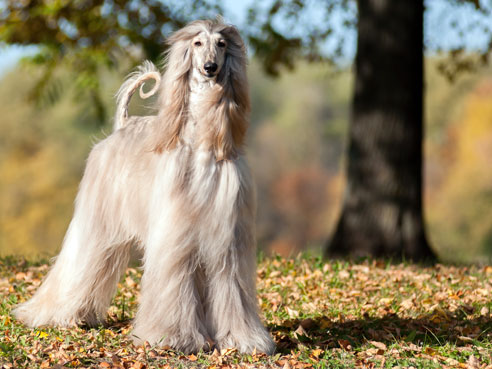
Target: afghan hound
{"x":177,"y":185}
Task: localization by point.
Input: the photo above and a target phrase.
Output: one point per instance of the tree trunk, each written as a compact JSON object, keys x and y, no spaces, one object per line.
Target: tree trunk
{"x":382,"y":209}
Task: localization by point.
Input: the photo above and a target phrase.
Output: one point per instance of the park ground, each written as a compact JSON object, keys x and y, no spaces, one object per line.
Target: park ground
{"x":335,"y":314}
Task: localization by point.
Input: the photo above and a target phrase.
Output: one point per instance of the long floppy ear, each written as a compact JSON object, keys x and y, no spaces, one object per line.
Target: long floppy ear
{"x":175,"y":90}
{"x":233,"y":106}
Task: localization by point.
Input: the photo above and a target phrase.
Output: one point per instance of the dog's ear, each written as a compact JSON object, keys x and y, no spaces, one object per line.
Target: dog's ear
{"x":230,"y":136}
{"x":179,"y":53}
{"x":175,"y":91}
{"x":234,"y":70}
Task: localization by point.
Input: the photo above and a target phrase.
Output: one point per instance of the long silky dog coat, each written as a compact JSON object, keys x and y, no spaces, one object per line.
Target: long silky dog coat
{"x":176,"y":184}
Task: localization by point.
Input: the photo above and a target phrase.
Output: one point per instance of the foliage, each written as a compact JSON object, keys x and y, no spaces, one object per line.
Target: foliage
{"x":321,"y":315}
{"x":461,"y":200}
{"x":298,"y":124}
{"x":295,"y":141}
{"x":459,"y":60}
{"x":89,"y":35}
{"x":295,"y":151}
{"x":42,"y":155}
{"x":284,"y":32}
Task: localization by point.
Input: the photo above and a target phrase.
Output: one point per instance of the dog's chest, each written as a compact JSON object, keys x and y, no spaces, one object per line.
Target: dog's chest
{"x":208,"y":184}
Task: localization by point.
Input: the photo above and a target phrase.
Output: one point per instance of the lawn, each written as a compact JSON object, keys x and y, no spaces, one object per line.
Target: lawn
{"x":370,"y":314}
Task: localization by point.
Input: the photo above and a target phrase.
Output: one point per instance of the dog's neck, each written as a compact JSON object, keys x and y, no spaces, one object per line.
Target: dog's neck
{"x":199,"y":87}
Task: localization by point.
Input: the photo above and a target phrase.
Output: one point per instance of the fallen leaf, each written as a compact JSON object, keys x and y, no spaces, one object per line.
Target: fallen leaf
{"x":292,"y":313}
{"x":430,"y":351}
{"x":345,"y":344}
{"x":42,"y":334}
{"x":379,"y":345}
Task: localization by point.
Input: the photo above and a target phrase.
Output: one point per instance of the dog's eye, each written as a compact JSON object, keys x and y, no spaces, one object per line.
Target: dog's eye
{"x":198,"y":43}
{"x":221,"y":43}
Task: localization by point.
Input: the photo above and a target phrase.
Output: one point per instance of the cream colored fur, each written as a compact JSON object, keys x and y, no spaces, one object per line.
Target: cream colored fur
{"x":177,"y":185}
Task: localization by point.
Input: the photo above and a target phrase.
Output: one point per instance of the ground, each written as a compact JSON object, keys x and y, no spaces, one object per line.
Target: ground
{"x":370,"y":314}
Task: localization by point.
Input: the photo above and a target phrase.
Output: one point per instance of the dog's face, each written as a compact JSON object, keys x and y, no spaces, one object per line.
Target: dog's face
{"x":208,"y":53}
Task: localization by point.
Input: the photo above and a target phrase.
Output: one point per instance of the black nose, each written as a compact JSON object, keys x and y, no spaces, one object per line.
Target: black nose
{"x":210,"y":67}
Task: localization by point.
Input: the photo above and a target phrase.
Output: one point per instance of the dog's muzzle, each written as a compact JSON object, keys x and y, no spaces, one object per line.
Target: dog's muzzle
{"x":210,"y":68}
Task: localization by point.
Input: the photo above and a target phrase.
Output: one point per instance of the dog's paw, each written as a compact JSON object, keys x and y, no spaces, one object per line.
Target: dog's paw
{"x":191,"y":343}
{"x":248,"y":343}
{"x":34,"y":315}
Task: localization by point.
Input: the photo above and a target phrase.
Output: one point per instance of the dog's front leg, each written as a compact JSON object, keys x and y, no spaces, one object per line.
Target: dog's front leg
{"x":233,"y":314}
{"x":170,"y":312}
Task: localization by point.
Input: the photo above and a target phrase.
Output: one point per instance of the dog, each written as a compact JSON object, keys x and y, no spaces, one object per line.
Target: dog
{"x":177,"y":185}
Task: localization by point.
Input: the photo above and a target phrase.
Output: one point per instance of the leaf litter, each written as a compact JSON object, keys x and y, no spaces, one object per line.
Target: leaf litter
{"x":371,"y":314}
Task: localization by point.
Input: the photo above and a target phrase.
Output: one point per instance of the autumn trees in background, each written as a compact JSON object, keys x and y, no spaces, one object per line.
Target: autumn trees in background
{"x":382,"y":206}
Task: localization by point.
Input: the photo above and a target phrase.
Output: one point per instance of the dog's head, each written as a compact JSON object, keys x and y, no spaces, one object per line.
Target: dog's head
{"x":208,"y":46}
{"x":208,"y":52}
{"x":211,"y":51}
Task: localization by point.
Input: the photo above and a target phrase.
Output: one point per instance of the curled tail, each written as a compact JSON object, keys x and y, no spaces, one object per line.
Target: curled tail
{"x":135,"y":80}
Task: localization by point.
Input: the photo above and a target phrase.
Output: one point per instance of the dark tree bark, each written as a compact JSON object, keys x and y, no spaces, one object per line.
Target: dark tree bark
{"x":382,"y":210}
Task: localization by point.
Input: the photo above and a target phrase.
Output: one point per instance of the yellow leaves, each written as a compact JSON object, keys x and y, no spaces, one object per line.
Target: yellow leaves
{"x":42,"y":334}
{"x":109,"y":332}
{"x":427,"y":301}
{"x":430,"y":351}
{"x":386,"y":301}
{"x":439,"y":315}
{"x":36,"y":202}
{"x":459,"y":198}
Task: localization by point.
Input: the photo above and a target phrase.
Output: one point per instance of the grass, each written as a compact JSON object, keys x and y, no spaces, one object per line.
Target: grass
{"x":371,"y":314}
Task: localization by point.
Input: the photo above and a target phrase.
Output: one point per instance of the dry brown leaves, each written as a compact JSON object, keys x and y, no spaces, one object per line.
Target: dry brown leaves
{"x":334,"y":314}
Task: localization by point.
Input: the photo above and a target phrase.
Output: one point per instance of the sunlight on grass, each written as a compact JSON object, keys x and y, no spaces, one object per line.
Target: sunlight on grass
{"x":322,"y":315}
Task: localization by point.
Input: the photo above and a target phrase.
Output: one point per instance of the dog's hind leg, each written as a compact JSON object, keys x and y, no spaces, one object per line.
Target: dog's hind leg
{"x":80,"y":285}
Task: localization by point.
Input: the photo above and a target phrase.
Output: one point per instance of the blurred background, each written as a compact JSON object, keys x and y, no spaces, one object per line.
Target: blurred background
{"x":53,"y":109}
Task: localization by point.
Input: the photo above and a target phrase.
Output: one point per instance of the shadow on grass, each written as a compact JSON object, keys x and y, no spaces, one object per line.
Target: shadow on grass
{"x":435,"y":329}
